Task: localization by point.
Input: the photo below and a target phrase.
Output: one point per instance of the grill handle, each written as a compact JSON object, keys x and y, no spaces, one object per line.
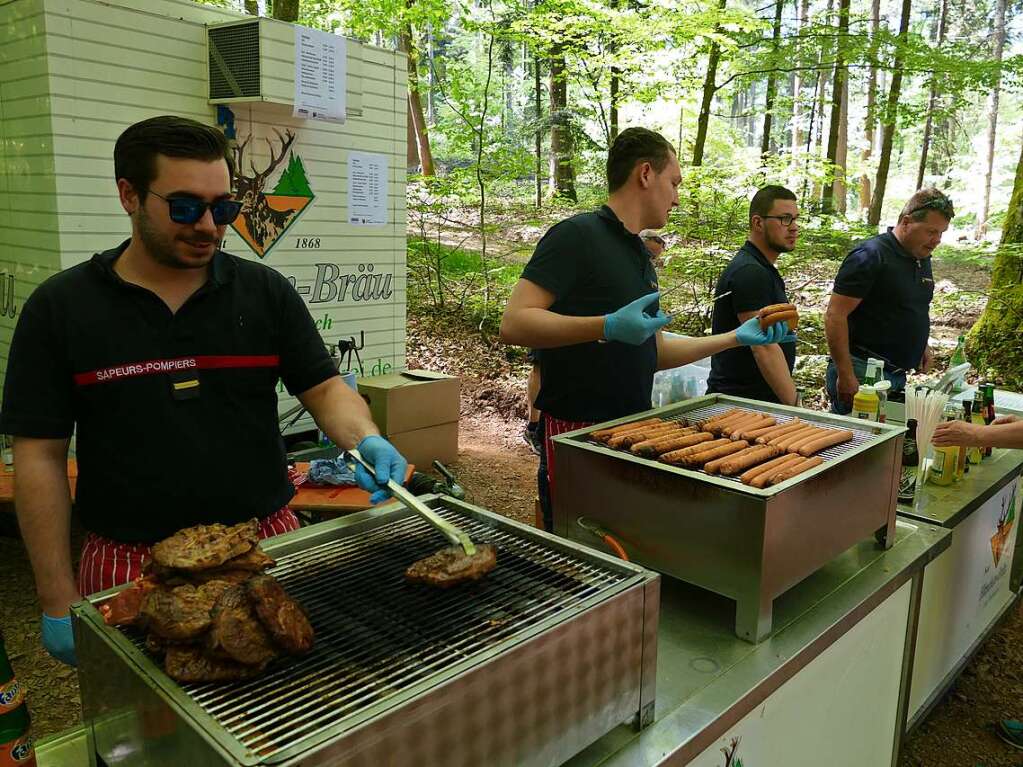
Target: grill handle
{"x":452,"y":533}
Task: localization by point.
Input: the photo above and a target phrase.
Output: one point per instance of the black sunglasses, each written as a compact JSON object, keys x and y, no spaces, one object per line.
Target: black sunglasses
{"x":188,"y":210}
{"x":941,"y":204}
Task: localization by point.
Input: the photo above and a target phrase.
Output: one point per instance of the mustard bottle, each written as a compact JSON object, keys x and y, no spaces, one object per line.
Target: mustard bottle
{"x":865,"y":403}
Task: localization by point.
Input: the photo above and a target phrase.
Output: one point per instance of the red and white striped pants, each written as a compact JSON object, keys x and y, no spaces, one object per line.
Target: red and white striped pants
{"x":107,"y":563}
{"x":552,"y":427}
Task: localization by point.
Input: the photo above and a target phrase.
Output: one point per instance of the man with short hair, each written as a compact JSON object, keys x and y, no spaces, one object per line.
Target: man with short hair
{"x":588,"y":298}
{"x":163,"y":355}
{"x":749,"y":283}
{"x":880,"y":305}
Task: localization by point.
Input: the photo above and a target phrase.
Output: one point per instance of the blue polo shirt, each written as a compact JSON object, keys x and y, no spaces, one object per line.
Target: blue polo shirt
{"x":893,"y":319}
{"x":594,"y":266}
{"x":753,"y":282}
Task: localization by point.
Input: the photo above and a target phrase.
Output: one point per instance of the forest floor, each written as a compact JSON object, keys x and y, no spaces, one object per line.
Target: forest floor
{"x":498,"y":471}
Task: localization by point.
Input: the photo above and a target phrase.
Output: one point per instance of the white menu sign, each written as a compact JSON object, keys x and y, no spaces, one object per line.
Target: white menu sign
{"x":320,"y":74}
{"x":367,"y":188}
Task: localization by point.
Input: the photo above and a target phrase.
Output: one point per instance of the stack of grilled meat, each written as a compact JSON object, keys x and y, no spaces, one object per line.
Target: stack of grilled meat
{"x":209,"y":610}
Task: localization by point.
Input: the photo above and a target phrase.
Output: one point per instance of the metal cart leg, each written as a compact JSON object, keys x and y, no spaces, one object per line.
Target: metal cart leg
{"x":753,"y":617}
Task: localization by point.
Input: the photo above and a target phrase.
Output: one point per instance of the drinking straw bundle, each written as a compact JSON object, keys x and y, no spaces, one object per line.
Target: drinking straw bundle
{"x":927,"y":407}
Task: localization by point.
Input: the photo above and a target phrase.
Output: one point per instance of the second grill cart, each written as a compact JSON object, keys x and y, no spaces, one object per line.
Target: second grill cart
{"x":745,"y":543}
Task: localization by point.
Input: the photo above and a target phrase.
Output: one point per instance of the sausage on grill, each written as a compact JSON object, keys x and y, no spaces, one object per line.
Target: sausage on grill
{"x":671,"y":442}
{"x":836,"y":438}
{"x":603,"y":435}
{"x":748,"y":458}
{"x":701,"y":459}
{"x":676,"y":457}
{"x":776,"y":431}
{"x":750,"y":476}
{"x":791,"y":470}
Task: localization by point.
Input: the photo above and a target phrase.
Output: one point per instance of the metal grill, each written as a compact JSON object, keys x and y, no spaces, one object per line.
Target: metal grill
{"x":376,"y":635}
{"x":860,"y":436}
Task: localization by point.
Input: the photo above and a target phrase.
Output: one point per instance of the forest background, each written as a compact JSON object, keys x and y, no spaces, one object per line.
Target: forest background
{"x":852,"y":104}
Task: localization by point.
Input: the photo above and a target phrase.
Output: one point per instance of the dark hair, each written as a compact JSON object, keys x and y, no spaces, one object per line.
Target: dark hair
{"x":633,"y":146}
{"x":765,"y":198}
{"x":924,"y":201}
{"x":136,"y":149}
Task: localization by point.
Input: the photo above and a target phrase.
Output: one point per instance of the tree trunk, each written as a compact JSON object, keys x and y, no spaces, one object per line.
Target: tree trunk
{"x":772,"y":85}
{"x":842,"y":152}
{"x":709,"y":88}
{"x":252,"y":7}
{"x":891,"y":118}
{"x":992,"y":119}
{"x":797,"y":88}
{"x":994,"y":340}
{"x":415,"y":105}
{"x":932,"y":100}
{"x":615,"y":78}
{"x":837,"y":91}
{"x":411,"y":143}
{"x":871,"y":116}
{"x":562,"y":173}
{"x":286,"y":10}
{"x":538,"y":135}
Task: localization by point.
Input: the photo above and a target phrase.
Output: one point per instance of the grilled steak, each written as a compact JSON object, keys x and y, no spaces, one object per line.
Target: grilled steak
{"x":236,"y":633}
{"x":204,"y":546}
{"x":452,"y":566}
{"x":180,"y":613}
{"x":281,"y":615}
{"x":188,"y":664}
{"x":123,"y":608}
{"x":235,"y":570}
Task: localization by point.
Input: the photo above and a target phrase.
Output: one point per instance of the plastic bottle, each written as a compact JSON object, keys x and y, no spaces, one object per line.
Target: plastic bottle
{"x":910,"y":463}
{"x":958,"y":358}
{"x":865,"y":403}
{"x":943,"y":470}
{"x":16,"y":748}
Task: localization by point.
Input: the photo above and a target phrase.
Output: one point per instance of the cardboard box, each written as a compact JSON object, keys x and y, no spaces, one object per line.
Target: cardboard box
{"x":424,"y":446}
{"x":415,"y":399}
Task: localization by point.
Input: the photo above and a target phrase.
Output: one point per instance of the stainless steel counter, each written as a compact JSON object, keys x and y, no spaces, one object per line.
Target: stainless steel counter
{"x":950,"y":505}
{"x":708,"y":679}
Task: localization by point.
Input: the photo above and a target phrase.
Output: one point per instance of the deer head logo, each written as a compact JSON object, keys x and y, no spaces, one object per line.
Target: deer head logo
{"x":265,"y":216}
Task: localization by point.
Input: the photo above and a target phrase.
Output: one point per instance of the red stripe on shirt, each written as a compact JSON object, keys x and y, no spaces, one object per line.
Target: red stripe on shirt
{"x":174,"y":365}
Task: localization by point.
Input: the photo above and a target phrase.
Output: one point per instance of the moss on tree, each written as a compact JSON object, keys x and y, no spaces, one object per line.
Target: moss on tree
{"x":996,"y":342}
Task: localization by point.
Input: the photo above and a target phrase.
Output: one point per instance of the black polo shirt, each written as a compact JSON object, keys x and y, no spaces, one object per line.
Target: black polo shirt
{"x":754,"y":283}
{"x":594,"y":266}
{"x":893,"y":320}
{"x":156,"y":452}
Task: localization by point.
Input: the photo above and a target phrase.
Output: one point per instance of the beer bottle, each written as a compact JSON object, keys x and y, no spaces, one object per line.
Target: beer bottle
{"x":989,"y":408}
{"x":910,"y":463}
{"x":16,"y":749}
{"x":961,"y":464}
{"x":975,"y":416}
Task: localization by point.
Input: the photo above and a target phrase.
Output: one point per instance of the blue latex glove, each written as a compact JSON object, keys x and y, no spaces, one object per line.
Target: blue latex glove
{"x":750,"y":334}
{"x":388,"y":463}
{"x":59,"y":639}
{"x":632,"y":325}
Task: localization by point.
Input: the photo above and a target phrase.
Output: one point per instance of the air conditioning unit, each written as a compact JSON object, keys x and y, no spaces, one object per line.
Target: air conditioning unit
{"x":253,"y":60}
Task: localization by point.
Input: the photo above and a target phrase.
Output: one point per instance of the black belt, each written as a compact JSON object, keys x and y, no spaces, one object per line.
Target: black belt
{"x":893,"y":368}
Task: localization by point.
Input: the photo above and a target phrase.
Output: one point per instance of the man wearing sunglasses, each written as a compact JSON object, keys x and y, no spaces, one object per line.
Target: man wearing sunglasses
{"x":162,"y":356}
{"x":749,"y":283}
{"x":880,"y":305}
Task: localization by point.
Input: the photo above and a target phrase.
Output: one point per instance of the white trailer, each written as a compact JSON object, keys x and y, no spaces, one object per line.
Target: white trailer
{"x":75,"y":73}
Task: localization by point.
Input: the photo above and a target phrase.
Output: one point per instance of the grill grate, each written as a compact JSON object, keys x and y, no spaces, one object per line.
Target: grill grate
{"x":860,"y":436}
{"x":377,"y":635}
